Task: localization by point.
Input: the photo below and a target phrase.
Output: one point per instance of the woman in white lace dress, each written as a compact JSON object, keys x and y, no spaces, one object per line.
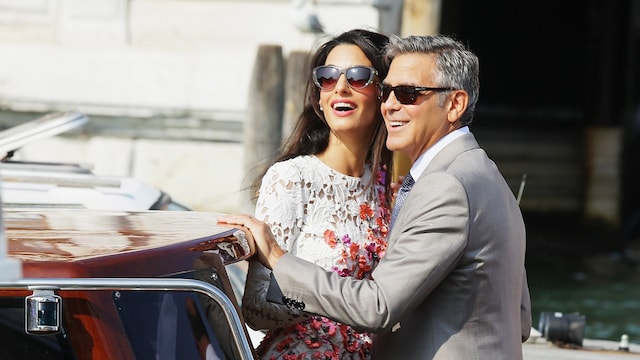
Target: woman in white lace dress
{"x":326,"y":197}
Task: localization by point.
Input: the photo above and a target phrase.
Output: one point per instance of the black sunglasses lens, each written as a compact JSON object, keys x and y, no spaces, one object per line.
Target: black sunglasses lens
{"x":359,"y":77}
{"x":406,"y":95}
{"x":384,"y":92}
{"x":326,"y":77}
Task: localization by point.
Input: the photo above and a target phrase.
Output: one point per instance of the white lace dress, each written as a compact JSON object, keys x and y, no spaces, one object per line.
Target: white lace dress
{"x":333,"y":220}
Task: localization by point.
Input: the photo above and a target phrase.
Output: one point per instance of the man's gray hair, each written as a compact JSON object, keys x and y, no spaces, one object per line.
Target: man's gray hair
{"x":457,"y":66}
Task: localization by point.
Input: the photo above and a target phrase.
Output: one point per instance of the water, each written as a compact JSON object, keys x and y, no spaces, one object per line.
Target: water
{"x":604,"y":289}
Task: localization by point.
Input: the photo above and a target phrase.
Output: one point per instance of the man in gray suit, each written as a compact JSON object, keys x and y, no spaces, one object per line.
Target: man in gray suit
{"x":452,"y":284}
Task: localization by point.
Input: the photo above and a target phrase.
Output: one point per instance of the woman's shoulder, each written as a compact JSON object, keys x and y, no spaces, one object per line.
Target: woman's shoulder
{"x":297,"y":168}
{"x":298,"y":165}
{"x":298,"y":161}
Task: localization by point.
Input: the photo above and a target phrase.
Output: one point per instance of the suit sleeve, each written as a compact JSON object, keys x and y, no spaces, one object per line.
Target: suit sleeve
{"x":427,"y":241}
{"x":525,"y":310}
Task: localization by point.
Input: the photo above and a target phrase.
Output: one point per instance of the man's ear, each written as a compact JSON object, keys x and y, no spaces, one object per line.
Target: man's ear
{"x":458,"y":105}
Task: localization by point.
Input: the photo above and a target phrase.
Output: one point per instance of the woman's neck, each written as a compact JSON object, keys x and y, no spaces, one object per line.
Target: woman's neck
{"x":345,"y":160}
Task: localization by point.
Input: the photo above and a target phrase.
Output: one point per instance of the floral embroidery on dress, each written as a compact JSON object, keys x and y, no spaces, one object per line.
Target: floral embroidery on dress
{"x":336,"y":221}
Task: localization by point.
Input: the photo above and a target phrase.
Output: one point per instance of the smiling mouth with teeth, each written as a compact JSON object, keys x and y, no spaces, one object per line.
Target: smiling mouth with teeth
{"x":397,"y":123}
{"x":342,"y":106}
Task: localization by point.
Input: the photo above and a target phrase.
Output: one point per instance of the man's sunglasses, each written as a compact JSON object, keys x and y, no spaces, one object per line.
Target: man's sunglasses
{"x":358,"y":77}
{"x":406,"y":94}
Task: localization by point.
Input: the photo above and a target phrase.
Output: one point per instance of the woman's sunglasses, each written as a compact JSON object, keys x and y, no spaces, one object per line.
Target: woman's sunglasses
{"x":406,"y":94}
{"x":358,"y":77}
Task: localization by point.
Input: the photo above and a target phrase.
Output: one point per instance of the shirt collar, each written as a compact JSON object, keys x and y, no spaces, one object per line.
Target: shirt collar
{"x":423,"y":160}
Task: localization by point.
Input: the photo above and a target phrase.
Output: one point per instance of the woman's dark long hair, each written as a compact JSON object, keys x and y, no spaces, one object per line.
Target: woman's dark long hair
{"x":310,"y":136}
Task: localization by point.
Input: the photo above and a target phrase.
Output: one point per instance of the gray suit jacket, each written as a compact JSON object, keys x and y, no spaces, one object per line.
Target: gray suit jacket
{"x":452,"y":284}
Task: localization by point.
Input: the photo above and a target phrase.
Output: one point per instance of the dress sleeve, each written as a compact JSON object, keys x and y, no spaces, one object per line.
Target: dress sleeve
{"x":279,"y":205}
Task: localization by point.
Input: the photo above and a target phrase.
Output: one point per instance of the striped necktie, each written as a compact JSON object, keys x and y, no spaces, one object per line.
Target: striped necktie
{"x":407,"y":184}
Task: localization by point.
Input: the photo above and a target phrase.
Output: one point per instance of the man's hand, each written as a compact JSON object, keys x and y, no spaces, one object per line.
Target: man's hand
{"x":259,"y":232}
